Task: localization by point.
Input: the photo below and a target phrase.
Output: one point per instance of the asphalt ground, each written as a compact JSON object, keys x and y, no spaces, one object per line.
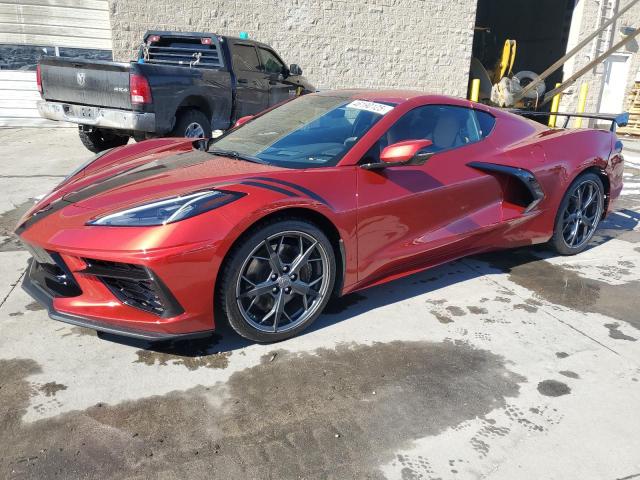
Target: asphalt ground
{"x":518,"y":364}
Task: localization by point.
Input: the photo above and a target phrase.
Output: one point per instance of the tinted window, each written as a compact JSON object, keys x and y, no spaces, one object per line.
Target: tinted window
{"x":446,"y":126}
{"x":245,"y":58}
{"x":486,"y":122}
{"x":310,"y":131}
{"x":270,"y":62}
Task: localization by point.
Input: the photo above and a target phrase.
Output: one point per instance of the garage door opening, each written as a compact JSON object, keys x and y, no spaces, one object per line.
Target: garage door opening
{"x":539,"y":27}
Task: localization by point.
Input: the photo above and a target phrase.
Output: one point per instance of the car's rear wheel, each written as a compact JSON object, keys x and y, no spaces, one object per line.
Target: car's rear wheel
{"x":579,"y":214}
{"x":278,"y":280}
{"x":98,"y":139}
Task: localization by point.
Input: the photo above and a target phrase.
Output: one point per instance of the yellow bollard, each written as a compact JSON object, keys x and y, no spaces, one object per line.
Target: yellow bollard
{"x":555,"y":104}
{"x":475,"y":90}
{"x":582,"y":102}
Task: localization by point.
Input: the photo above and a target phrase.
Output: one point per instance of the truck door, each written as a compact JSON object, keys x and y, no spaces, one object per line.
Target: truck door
{"x":252,"y":83}
{"x":279,"y":88}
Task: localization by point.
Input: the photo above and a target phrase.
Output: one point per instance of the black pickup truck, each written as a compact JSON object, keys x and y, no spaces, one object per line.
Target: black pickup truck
{"x":182,"y":84}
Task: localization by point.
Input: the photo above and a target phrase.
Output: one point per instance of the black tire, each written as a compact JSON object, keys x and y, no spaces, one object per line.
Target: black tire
{"x":240,"y":259}
{"x":186,"y":118}
{"x":98,"y":140}
{"x":565,"y":218}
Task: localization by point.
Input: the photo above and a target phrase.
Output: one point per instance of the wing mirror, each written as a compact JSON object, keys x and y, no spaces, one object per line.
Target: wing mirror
{"x":409,"y":152}
{"x":242,"y":121}
{"x":295,"y":69}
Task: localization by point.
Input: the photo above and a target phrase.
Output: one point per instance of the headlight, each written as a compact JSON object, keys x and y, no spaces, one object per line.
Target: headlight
{"x":168,"y":210}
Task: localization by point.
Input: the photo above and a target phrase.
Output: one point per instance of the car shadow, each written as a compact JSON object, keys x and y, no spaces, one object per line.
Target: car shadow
{"x":617,"y":224}
{"x":223,"y":340}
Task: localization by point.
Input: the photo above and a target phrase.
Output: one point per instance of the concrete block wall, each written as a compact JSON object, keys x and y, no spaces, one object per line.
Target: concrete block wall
{"x":416,"y":44}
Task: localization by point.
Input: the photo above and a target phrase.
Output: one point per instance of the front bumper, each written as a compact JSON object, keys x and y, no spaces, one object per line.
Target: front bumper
{"x":173,"y":301}
{"x":98,"y":116}
{"x":46,"y":300}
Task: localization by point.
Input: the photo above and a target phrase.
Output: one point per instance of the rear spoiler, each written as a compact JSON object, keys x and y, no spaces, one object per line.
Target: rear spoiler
{"x":617,"y":120}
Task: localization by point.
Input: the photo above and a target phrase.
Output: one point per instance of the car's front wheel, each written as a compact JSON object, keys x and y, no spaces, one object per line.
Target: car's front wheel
{"x":579,"y":214}
{"x":277,"y":281}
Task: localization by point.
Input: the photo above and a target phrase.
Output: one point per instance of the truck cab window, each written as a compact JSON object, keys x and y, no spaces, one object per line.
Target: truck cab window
{"x":270,"y":62}
{"x":245,"y":58}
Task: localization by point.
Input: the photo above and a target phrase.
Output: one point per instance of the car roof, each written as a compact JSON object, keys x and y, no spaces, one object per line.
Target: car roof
{"x":395,"y":96}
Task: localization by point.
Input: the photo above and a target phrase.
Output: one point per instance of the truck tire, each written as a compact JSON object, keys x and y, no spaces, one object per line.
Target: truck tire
{"x":191,"y":123}
{"x":98,"y":140}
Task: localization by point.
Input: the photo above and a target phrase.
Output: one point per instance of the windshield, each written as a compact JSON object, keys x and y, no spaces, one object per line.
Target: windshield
{"x":310,"y":131}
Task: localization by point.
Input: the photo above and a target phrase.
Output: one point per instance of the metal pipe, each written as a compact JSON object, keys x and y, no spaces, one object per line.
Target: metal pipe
{"x":582,"y":102}
{"x":573,"y":51}
{"x":555,"y":105}
{"x":588,"y":67}
{"x":475,"y":90}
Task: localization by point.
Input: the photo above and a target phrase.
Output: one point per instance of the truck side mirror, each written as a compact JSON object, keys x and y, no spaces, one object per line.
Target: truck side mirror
{"x":295,"y":69}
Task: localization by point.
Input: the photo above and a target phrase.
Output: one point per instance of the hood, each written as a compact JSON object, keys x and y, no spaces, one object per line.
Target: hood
{"x":133,"y":175}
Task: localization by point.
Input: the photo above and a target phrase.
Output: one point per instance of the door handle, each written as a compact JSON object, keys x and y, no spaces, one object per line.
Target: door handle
{"x":243,"y":80}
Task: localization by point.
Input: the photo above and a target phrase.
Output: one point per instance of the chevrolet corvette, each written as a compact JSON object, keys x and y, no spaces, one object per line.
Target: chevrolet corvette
{"x":321,"y":196}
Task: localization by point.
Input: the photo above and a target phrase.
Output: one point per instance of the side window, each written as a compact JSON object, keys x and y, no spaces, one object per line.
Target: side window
{"x":446,"y":126}
{"x":486,"y":123}
{"x":270,"y":62}
{"x":245,"y":58}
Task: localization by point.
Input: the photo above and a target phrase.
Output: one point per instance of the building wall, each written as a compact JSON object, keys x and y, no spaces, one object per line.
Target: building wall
{"x":417,"y":44}
{"x":586,"y":21}
{"x":30,"y":29}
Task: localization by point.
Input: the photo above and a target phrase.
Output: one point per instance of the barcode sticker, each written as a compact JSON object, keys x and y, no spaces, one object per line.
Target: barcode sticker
{"x":379,"y":108}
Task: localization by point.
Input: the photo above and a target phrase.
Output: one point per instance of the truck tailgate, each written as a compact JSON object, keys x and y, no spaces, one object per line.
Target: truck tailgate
{"x":86,"y":82}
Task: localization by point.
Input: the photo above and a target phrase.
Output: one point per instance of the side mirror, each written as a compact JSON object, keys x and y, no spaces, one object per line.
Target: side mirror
{"x":398,"y":154}
{"x":242,"y":121}
{"x":295,"y":69}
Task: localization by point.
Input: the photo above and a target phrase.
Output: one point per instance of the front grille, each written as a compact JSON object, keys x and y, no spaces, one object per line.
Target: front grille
{"x":135,"y":285}
{"x":52,"y":275}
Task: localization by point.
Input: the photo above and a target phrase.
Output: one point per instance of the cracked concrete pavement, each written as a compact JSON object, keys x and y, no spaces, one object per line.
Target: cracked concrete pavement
{"x":511,"y":365}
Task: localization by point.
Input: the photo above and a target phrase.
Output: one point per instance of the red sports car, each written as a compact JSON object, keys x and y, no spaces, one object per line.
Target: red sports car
{"x":323,"y":195}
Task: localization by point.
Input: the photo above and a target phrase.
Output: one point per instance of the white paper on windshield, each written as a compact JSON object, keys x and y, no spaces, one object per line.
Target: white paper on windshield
{"x":379,"y":108}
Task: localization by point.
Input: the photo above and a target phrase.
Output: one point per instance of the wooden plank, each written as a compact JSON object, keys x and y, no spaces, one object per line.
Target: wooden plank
{"x":48,"y":11}
{"x":17,"y":85}
{"x":18,"y":75}
{"x":18,"y":112}
{"x":31,"y":95}
{"x":36,"y":20}
{"x":54,"y":30}
{"x":73,"y":42}
{"x":32,"y":122}
{"x":18,"y":103}
{"x":81,"y":4}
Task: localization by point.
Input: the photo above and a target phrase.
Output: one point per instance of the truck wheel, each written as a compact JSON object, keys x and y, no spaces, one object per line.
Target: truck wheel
{"x":98,"y":140}
{"x":192,"y":124}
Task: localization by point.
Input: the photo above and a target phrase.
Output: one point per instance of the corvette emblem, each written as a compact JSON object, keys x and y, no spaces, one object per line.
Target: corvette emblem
{"x":80,"y":78}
